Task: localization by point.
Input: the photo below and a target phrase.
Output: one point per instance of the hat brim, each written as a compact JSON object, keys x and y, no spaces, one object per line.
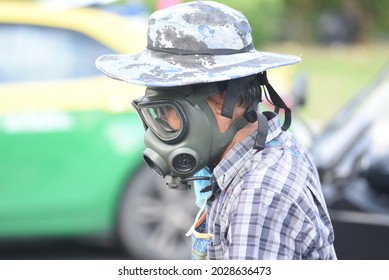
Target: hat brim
{"x":159,"y":69}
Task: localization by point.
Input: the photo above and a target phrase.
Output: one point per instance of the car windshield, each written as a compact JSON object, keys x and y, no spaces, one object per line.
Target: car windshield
{"x":34,"y":53}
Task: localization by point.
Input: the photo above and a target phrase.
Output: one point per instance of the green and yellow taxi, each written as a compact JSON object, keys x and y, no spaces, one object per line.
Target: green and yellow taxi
{"x":70,"y":143}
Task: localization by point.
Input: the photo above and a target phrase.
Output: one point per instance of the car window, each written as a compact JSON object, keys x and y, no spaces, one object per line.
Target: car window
{"x":34,"y":53}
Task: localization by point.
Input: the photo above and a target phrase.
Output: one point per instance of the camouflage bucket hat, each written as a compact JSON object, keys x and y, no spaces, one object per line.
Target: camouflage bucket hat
{"x":190,"y":43}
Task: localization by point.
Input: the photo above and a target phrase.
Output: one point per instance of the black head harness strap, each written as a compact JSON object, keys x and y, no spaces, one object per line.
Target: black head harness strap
{"x":252,"y":115}
{"x":276,"y":100}
{"x":230,"y":99}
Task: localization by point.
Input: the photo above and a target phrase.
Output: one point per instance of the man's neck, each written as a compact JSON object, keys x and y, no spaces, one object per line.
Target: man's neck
{"x":240,"y":135}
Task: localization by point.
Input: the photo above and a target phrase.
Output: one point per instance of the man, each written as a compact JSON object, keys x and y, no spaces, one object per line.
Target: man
{"x":204,"y":82}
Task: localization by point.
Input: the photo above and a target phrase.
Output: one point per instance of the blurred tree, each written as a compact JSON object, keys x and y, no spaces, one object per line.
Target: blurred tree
{"x":376,"y":17}
{"x":307,"y":20}
{"x":264,"y":16}
{"x":358,"y":20}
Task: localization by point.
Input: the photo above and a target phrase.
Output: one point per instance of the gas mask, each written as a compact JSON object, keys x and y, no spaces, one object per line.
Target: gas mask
{"x":182,"y":135}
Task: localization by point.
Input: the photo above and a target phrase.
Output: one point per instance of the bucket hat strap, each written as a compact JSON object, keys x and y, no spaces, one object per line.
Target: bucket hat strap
{"x":276,"y":100}
{"x":252,"y":115}
{"x":263,"y":128}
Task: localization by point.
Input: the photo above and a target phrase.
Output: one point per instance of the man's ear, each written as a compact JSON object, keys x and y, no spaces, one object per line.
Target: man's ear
{"x":217,"y":101}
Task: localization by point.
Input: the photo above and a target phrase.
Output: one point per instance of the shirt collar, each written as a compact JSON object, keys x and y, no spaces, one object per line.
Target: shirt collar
{"x":235,"y":159}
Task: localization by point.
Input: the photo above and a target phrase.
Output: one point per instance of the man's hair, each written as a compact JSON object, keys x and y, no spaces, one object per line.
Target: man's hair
{"x":249,"y":90}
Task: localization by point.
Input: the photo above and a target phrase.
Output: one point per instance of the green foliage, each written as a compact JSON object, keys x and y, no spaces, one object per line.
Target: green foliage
{"x":335,"y":74}
{"x":370,"y":16}
{"x":150,"y":5}
{"x":264,"y":16}
{"x":279,"y":20}
{"x":377,"y":12}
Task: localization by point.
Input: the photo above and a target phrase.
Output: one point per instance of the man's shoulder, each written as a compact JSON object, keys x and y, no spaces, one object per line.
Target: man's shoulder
{"x":284,"y":166}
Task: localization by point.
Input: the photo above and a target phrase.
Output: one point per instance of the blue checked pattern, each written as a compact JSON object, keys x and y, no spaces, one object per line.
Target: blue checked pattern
{"x":269,"y":204}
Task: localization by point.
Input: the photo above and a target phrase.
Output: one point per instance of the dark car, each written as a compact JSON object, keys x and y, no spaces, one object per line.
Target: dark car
{"x":352,"y":155}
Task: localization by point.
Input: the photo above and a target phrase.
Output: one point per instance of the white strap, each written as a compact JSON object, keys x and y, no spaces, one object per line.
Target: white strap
{"x":202,"y":209}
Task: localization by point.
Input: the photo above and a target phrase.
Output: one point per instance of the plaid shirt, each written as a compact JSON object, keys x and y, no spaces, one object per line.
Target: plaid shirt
{"x":268,"y":204}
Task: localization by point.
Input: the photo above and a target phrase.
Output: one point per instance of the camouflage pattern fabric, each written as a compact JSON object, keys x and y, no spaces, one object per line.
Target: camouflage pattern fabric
{"x":190,"y":43}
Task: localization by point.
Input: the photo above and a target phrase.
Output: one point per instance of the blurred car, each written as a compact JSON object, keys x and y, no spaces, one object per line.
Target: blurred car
{"x":352,"y":156}
{"x":70,"y":144}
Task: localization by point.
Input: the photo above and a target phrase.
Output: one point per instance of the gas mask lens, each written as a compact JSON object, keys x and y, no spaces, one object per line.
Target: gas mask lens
{"x":165,"y":118}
